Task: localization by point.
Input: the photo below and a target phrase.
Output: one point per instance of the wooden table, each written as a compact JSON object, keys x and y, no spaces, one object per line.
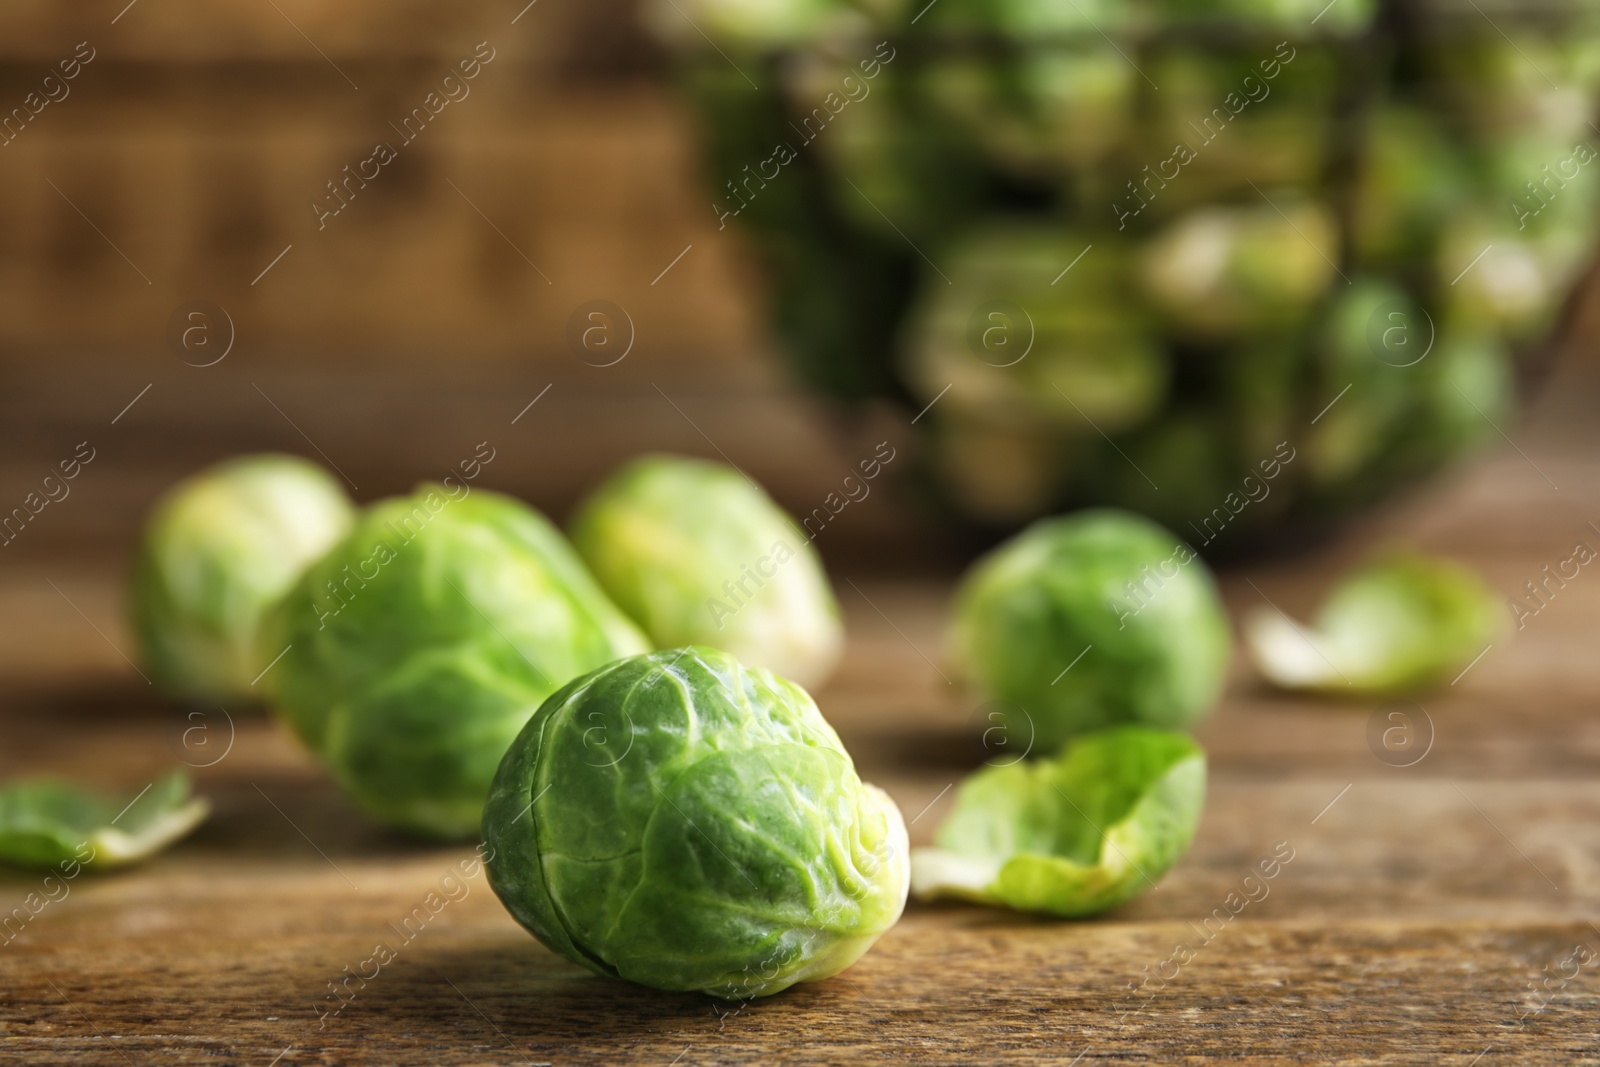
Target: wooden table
{"x":1422,"y":908}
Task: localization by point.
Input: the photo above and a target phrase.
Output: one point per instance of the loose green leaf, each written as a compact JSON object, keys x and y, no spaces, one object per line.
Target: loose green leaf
{"x":686,"y":823}
{"x":49,"y":822}
{"x":1402,"y":623}
{"x":1073,"y":836}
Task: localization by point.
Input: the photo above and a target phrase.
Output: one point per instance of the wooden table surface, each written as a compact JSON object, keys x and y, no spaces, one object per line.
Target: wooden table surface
{"x":1427,"y":916}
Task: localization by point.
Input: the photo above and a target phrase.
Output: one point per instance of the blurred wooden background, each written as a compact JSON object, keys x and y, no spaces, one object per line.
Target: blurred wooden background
{"x":182,"y":165}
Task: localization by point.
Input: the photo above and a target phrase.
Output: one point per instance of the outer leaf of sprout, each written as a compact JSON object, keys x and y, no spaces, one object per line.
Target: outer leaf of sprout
{"x":1401,"y":623}
{"x":1073,"y":836}
{"x":45,"y":822}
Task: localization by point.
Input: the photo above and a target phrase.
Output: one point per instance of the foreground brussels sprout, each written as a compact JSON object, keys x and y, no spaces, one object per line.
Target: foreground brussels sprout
{"x":682,"y":822}
{"x":417,"y":647}
{"x":219,"y":549}
{"x":1072,"y":836}
{"x":1092,"y":620}
{"x":46,"y":822}
{"x":1402,"y":623}
{"x":696,"y":553}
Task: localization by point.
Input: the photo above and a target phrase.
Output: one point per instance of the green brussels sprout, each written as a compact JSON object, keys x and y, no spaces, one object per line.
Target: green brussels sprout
{"x":696,"y":553}
{"x":1369,"y":342}
{"x":1074,"y":835}
{"x":754,"y":24}
{"x":218,"y":550}
{"x":680,"y":821}
{"x":1399,"y":624}
{"x":1226,"y":271}
{"x":1092,"y":620}
{"x":1020,"y":338}
{"x":1344,"y":17}
{"x":47,"y":822}
{"x":417,"y":647}
{"x":1412,"y":182}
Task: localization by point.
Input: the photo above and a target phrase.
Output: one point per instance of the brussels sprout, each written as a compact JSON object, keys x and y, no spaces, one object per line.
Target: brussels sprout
{"x":219,"y":548}
{"x":1402,"y":623}
{"x":753,"y":24}
{"x":1412,"y":181}
{"x":696,"y":553}
{"x":47,"y":822}
{"x":1018,"y":337}
{"x":1224,"y":271}
{"x":1071,"y":836}
{"x":1369,"y":341}
{"x":1092,"y":620}
{"x":680,"y":821}
{"x":417,"y":647}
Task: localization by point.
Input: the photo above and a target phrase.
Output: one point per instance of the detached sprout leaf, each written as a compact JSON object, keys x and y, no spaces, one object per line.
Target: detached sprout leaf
{"x":1400,"y":624}
{"x":1072,"y":836}
{"x":683,"y":822}
{"x":45,"y":822}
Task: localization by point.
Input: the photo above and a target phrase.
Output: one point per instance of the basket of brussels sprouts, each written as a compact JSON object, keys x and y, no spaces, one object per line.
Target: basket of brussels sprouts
{"x":1123,"y":252}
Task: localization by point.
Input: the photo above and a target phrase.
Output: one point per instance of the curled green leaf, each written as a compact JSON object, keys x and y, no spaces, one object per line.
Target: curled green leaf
{"x":1071,"y":836}
{"x":49,"y":822}
{"x":1402,"y":623}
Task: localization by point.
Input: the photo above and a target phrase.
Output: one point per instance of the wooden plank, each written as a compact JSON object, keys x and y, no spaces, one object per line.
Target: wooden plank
{"x":1421,"y":918}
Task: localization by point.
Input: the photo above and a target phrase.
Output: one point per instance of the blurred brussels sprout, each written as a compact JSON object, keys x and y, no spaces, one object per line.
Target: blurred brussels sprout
{"x":1038,"y":327}
{"x":754,"y":24}
{"x":1178,"y":469}
{"x":1343,"y":16}
{"x":1226,"y":271}
{"x":1037,"y":114}
{"x":1071,"y":836}
{"x":1023,"y":19}
{"x":696,"y":553}
{"x":1091,"y":620}
{"x":1000,"y":471}
{"x":1500,"y":280}
{"x":218,"y":549}
{"x":1412,"y":181}
{"x":1370,"y":343}
{"x":48,"y":822}
{"x":417,"y":647}
{"x":685,"y":823}
{"x":1399,"y":624}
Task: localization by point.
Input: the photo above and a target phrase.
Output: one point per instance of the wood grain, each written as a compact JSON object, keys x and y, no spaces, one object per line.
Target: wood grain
{"x":1420,"y":913}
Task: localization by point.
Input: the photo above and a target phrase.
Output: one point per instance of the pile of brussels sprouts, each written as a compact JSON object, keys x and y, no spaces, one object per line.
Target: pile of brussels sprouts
{"x":1129,"y":244}
{"x":659,"y":800}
